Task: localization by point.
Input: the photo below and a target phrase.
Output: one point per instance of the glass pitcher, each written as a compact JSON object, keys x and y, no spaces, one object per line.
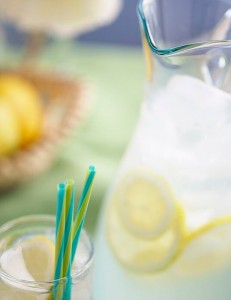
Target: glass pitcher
{"x":165,"y":229}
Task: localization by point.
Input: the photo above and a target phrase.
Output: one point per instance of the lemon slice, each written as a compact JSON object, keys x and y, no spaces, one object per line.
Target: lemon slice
{"x":138,"y":252}
{"x":146,"y":203}
{"x":32,"y":259}
{"x":206,"y":250}
{"x":39,"y":257}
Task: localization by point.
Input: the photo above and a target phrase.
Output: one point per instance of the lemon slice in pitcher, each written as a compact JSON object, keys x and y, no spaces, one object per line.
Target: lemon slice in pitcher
{"x":207,"y":249}
{"x":148,"y":238}
{"x":146,"y":203}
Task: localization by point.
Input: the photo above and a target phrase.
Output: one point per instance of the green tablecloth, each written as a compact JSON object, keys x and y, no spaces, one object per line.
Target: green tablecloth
{"x":116,"y":77}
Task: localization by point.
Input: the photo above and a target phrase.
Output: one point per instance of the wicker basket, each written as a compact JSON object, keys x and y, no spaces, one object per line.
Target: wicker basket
{"x":65,"y":103}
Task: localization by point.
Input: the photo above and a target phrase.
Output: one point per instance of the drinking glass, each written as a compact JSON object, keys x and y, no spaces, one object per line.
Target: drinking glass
{"x":12,"y":284}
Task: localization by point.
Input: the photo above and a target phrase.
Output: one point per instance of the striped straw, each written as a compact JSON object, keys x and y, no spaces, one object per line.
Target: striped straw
{"x":68,"y":231}
{"x":69,"y":202}
{"x":82,"y":209}
{"x":60,"y":231}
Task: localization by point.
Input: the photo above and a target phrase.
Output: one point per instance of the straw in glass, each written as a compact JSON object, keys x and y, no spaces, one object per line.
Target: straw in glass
{"x":68,"y":231}
{"x":59,"y":242}
{"x":69,"y":202}
{"x":82,"y":209}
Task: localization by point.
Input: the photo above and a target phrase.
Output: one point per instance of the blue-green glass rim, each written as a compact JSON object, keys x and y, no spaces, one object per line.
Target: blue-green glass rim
{"x":178,"y":49}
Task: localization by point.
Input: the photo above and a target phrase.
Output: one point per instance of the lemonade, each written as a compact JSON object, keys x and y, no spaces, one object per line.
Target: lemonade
{"x":27,"y":256}
{"x":165,"y":231}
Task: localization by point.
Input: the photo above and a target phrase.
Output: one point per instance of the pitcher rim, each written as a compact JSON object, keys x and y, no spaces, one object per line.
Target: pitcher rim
{"x":181,"y":49}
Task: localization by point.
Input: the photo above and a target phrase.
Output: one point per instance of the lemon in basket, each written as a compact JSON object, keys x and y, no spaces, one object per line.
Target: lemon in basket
{"x":9,"y":129}
{"x":21,"y":106}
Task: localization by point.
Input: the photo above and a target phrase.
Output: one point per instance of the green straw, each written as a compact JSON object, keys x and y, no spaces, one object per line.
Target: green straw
{"x":82,"y":209}
{"x":69,"y":202}
{"x":59,"y":242}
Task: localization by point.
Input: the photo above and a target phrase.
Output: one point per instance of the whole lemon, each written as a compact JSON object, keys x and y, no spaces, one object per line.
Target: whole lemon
{"x":9,"y":129}
{"x":23,"y":98}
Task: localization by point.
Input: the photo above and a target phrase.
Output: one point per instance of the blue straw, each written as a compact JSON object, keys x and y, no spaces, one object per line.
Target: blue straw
{"x":60,"y":207}
{"x":59,"y":252}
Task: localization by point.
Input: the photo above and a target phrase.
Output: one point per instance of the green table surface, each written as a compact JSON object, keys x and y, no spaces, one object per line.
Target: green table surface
{"x":116,"y":78}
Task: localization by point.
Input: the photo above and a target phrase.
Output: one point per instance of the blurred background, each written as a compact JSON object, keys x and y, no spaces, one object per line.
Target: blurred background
{"x":123,"y":31}
{"x":71,"y":84}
